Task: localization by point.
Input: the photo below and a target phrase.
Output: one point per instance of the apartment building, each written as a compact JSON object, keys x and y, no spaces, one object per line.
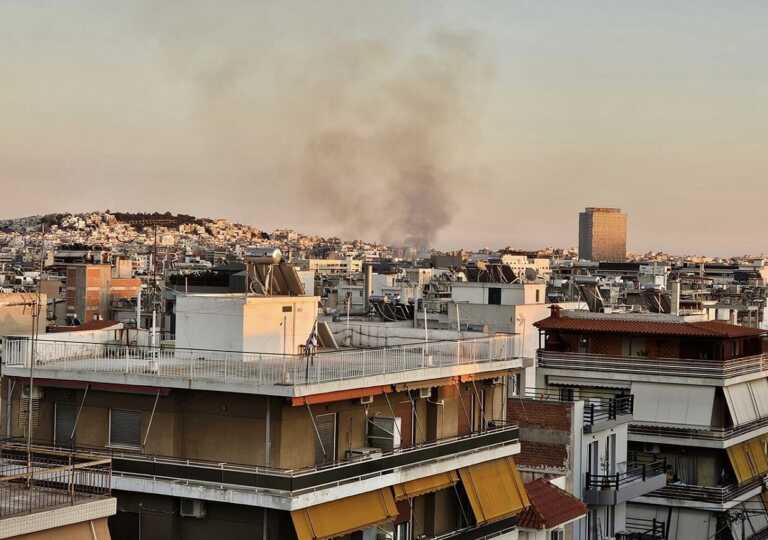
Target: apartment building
{"x":92,"y":288}
{"x":401,"y":442}
{"x":602,"y":234}
{"x":700,"y":406}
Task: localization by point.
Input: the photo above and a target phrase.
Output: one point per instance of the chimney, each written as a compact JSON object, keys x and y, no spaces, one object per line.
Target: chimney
{"x":555,"y":311}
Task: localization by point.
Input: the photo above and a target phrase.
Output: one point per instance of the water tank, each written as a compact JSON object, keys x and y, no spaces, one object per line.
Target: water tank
{"x":264,"y":255}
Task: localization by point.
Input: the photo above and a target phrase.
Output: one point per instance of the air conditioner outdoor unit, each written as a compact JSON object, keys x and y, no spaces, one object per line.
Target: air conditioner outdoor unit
{"x":497,"y":380}
{"x":192,"y":508}
{"x":366,"y":400}
{"x":363,"y":453}
{"x":425,"y":393}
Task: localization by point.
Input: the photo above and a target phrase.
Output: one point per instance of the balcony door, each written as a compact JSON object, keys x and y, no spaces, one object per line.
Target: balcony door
{"x":325,"y":441}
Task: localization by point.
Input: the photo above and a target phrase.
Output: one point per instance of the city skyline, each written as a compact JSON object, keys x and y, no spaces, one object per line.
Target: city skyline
{"x":651,"y":109}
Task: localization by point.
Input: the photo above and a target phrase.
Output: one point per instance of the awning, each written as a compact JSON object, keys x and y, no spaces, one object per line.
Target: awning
{"x":747,"y":401}
{"x":484,"y":376}
{"x":341,"y":395}
{"x":430,"y":484}
{"x":748,"y":459}
{"x":495,"y":489}
{"x":345,"y":516}
{"x":590,"y":383}
{"x":430,"y":383}
{"x":687,"y":405}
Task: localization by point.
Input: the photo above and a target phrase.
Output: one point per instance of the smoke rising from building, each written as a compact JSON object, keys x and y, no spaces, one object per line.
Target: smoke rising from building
{"x":370,"y":140}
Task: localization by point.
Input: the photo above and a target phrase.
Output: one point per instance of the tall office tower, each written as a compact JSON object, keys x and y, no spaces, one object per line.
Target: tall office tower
{"x":602,"y":234}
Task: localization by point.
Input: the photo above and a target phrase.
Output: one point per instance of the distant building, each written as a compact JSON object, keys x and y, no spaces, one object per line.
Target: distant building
{"x":602,"y":234}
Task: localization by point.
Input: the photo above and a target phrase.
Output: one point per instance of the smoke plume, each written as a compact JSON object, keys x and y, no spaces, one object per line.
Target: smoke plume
{"x":368,"y":138}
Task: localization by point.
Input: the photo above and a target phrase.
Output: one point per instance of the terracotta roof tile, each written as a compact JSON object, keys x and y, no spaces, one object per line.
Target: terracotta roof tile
{"x":710,"y":329}
{"x":550,"y":506}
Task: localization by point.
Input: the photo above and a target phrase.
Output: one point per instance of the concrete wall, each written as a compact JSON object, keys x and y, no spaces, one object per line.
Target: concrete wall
{"x":230,"y":322}
{"x":17,"y":320}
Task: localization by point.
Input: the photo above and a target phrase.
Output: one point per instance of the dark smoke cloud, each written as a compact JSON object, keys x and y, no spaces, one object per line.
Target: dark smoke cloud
{"x":370,"y":140}
{"x":388,"y":163}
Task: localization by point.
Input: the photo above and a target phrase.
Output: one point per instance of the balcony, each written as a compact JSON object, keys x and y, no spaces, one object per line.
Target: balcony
{"x":703,"y":436}
{"x":638,"y":480}
{"x":504,"y":528}
{"x":643,"y":529}
{"x":210,"y":369}
{"x":707,"y":497}
{"x":43,"y":481}
{"x":293,"y":483}
{"x":599,"y":412}
{"x":649,"y":367}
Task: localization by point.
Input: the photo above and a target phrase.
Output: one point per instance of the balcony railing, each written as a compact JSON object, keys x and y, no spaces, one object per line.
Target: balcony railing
{"x":682,"y":367}
{"x":46,"y":480}
{"x":297,"y":481}
{"x":634,"y":473}
{"x":643,"y":529}
{"x":487,"y":531}
{"x":719,"y":495}
{"x":258,"y":368}
{"x":596,"y":409}
{"x":705,"y":433}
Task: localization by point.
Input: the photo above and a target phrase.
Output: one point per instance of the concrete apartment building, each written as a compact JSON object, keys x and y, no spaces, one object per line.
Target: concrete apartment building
{"x":700,"y":406}
{"x":92,"y":288}
{"x":603,"y":234}
{"x":288,"y":442}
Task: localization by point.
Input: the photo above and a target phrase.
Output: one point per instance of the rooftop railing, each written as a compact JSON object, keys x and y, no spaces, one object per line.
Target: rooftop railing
{"x":257,"y":368}
{"x":643,"y":529}
{"x":641,"y":365}
{"x":49,"y":479}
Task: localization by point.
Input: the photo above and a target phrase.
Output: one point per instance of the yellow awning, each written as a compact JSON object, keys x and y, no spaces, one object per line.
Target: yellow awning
{"x":345,"y":516}
{"x":495,"y":489}
{"x":430,"y":484}
{"x":748,"y":459}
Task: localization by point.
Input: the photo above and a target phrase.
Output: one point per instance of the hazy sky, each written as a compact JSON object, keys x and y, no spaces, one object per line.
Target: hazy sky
{"x":517,"y":114}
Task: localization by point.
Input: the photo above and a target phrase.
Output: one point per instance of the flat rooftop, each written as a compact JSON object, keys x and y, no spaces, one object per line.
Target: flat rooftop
{"x":262,"y":373}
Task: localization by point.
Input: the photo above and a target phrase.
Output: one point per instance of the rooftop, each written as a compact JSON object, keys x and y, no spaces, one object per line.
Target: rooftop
{"x":551,"y":506}
{"x":643,"y":325}
{"x":262,"y":373}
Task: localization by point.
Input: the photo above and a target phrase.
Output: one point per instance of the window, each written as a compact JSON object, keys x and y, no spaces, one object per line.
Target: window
{"x":124,"y":428}
{"x":559,"y":534}
{"x":538,"y":295}
{"x":494,"y":296}
{"x":64,"y":423}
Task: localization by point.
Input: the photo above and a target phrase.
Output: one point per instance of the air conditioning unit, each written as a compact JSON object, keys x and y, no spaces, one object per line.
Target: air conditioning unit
{"x":366,"y":400}
{"x":497,"y":380}
{"x":192,"y":508}
{"x":425,"y":393}
{"x":37,"y":393}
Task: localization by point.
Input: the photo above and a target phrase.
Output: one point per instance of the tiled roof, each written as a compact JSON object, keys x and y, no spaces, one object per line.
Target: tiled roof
{"x":544,"y":455}
{"x":550,"y":506}
{"x":710,"y":329}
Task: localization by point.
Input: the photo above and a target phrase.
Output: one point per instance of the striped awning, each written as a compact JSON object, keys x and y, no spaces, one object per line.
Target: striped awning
{"x":748,"y":459}
{"x":495,"y":489}
{"x":422,"y":486}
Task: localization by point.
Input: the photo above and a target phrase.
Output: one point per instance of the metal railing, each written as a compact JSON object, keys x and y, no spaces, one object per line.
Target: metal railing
{"x":707,"y":494}
{"x":683,"y":367}
{"x":54,"y":479}
{"x":596,"y":409}
{"x":294,"y":480}
{"x":707,"y":433}
{"x":635,"y":473}
{"x":643,"y":529}
{"x":258,"y":368}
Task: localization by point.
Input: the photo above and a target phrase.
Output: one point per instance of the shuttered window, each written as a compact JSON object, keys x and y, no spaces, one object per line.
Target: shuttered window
{"x":325,"y":444}
{"x":64,"y":423}
{"x":124,"y":428}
